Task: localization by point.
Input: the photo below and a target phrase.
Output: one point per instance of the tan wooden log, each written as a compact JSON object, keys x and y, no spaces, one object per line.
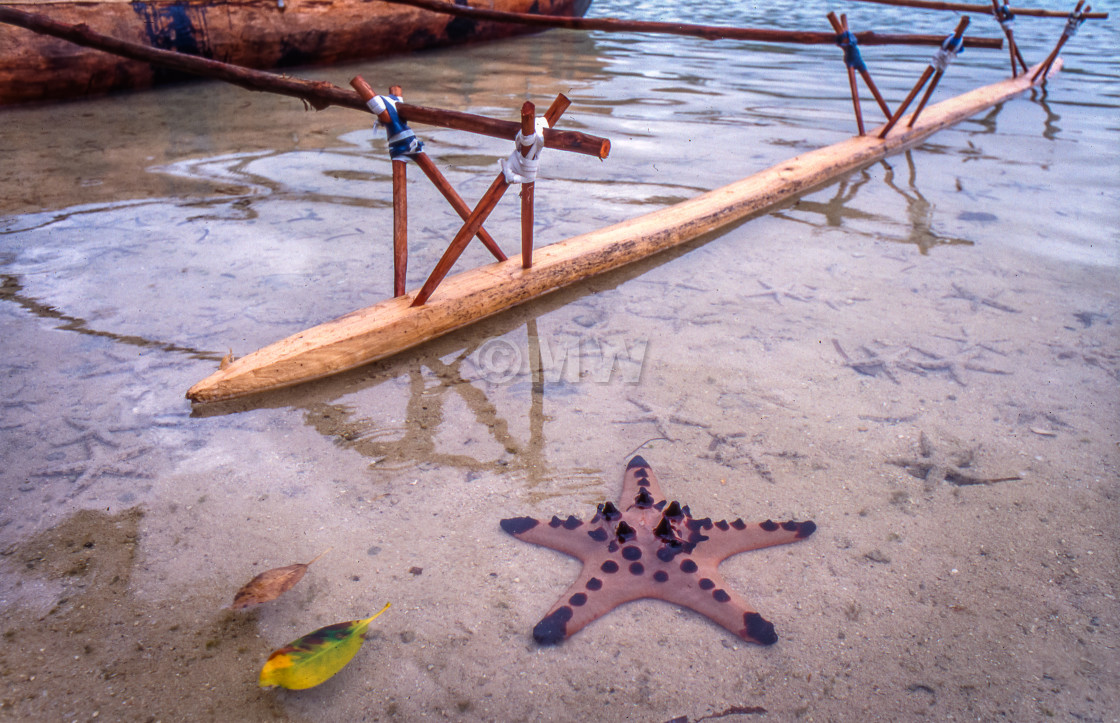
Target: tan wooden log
{"x":394,"y":325}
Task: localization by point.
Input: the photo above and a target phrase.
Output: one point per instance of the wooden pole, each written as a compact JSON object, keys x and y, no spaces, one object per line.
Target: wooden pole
{"x":441,"y":183}
{"x":400,"y":191}
{"x":936,"y":76}
{"x":906,"y":103}
{"x":316,"y":93}
{"x":478,"y":216}
{"x":455,"y":249}
{"x":925,"y":97}
{"x":707,"y":32}
{"x":528,"y":128}
{"x":400,"y":227}
{"x":366,"y":93}
{"x":393,"y":325}
{"x":852,"y":81}
{"x":918,"y":86}
{"x":839,"y":28}
{"x":980,"y":9}
{"x":1012,"y":47}
{"x":1045,"y":67}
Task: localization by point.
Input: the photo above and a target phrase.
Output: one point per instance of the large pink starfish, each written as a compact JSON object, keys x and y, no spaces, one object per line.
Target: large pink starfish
{"x":651,"y":548}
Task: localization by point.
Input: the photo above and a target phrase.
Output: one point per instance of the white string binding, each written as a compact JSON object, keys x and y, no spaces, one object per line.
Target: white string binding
{"x":523,"y":169}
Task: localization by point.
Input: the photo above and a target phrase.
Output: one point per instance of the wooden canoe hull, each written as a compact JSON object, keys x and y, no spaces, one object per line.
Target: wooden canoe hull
{"x":393,"y":325}
{"x":264,"y":35}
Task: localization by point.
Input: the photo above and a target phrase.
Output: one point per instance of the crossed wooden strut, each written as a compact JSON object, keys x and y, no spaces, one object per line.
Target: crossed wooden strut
{"x":952,"y":45}
{"x":528,"y":145}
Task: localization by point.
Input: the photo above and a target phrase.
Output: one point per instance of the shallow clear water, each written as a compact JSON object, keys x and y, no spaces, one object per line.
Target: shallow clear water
{"x":144,"y":236}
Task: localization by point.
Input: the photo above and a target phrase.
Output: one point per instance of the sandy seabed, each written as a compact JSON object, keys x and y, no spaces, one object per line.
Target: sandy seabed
{"x":949,"y":420}
{"x":922,"y":358}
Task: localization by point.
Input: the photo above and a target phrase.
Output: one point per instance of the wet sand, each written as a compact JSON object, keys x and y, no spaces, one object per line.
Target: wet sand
{"x":923,"y":359}
{"x":927,"y":590}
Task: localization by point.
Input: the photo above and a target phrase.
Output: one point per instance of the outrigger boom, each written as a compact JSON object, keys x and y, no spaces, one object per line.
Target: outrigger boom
{"x":394,"y":325}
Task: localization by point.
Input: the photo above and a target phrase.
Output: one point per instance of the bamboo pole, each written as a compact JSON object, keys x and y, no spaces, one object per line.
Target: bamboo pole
{"x":707,"y":32}
{"x":394,"y":325}
{"x":316,"y":93}
{"x":981,"y":9}
{"x":478,"y":216}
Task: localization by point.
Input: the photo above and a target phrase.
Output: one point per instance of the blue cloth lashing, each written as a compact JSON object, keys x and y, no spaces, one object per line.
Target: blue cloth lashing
{"x":949,"y":49}
{"x":1005,"y":17}
{"x":847,"y":40}
{"x":403,"y":143}
{"x":1073,"y":24}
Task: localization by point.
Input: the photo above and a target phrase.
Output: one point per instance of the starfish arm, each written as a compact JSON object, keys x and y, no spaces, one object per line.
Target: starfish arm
{"x":567,"y":536}
{"x":591,"y":596}
{"x":637,"y":477}
{"x":707,"y":593}
{"x":730,"y":538}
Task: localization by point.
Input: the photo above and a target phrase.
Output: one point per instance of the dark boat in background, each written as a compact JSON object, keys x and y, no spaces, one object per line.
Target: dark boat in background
{"x":262,"y":34}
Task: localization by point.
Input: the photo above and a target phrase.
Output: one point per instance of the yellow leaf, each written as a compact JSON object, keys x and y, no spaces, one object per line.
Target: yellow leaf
{"x":314,"y":658}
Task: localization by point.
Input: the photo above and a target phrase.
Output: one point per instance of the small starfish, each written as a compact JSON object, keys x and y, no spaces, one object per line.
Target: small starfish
{"x":661,"y":418}
{"x":716,"y":453}
{"x":776,"y":293}
{"x":881,"y":361}
{"x":632,"y":553}
{"x":118,"y":463}
{"x":967,"y":358}
{"x":976,"y":301}
{"x":934,"y":468}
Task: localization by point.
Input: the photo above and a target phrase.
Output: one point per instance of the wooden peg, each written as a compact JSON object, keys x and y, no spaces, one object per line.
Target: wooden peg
{"x":528,"y":128}
{"x":400,"y":227}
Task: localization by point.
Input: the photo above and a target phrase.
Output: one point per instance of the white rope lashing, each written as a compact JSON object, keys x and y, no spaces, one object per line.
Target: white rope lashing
{"x":523,"y":169}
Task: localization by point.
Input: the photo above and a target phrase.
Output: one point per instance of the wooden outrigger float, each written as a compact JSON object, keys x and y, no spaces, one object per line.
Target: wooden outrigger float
{"x":394,"y":325}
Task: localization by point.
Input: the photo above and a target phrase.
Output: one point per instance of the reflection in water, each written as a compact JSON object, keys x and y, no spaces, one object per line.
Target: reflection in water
{"x":988,"y":120}
{"x":840,"y":208}
{"x":1050,"y":129}
{"x":836,"y":209}
{"x":414,"y":442}
{"x":919,"y":211}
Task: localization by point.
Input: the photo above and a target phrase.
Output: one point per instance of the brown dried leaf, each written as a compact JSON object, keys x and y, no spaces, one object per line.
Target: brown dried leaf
{"x":271,"y":584}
